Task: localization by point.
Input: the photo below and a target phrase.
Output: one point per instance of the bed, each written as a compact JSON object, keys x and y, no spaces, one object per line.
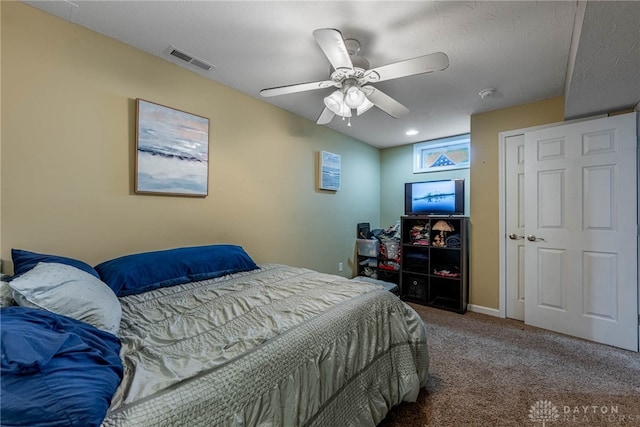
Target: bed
{"x":209,"y":343}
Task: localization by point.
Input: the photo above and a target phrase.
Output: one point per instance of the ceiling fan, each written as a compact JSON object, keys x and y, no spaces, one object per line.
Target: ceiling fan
{"x":351,"y":75}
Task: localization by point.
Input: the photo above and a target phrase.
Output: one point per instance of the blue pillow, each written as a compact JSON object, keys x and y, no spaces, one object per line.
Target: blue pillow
{"x":56,"y":371}
{"x":137,"y":273}
{"x":24,"y":261}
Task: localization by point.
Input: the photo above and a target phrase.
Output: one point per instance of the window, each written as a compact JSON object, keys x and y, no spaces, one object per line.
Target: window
{"x":442,"y":154}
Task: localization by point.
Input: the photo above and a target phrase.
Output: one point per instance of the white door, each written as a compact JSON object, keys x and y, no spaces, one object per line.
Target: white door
{"x":581,"y":230}
{"x":514,"y":224}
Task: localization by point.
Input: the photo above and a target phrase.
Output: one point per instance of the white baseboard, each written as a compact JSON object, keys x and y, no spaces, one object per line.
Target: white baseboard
{"x":483,"y":310}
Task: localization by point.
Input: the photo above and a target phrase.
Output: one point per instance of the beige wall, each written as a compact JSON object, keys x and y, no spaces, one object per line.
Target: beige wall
{"x":485,"y":192}
{"x":68,"y":116}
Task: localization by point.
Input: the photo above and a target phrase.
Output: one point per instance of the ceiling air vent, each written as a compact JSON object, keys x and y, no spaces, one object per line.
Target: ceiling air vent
{"x":183,"y":56}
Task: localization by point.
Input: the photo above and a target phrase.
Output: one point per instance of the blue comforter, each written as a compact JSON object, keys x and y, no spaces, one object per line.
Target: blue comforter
{"x":56,"y":371}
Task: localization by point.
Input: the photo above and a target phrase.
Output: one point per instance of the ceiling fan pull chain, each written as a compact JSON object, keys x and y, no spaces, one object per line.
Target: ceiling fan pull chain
{"x":349,"y":122}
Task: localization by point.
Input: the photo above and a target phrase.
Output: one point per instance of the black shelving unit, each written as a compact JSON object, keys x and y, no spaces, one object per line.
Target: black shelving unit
{"x":435,"y":261}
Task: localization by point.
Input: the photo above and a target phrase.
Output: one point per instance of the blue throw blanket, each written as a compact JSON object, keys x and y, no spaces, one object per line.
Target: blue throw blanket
{"x":56,"y":371}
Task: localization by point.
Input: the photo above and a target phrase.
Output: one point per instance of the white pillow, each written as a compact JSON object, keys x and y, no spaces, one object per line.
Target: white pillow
{"x":69,"y":291}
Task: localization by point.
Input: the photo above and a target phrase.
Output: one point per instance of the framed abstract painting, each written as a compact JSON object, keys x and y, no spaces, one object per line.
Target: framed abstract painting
{"x":330,"y":171}
{"x":172,"y":151}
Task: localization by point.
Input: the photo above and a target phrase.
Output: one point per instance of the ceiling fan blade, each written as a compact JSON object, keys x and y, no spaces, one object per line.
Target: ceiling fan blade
{"x":385,"y":102}
{"x":423,"y":64}
{"x":325,"y":117}
{"x":301,"y":87}
{"x":332,"y":44}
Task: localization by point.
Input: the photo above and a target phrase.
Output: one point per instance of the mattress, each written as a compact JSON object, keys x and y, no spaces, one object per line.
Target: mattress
{"x":276,"y":346}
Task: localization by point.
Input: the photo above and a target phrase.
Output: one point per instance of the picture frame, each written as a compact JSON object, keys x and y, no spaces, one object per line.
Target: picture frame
{"x":442,"y":154}
{"x":330,"y":171}
{"x":172,"y":151}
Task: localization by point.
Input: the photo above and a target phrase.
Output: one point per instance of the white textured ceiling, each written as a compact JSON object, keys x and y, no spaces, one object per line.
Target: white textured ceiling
{"x":606,"y":68}
{"x":521,"y":48}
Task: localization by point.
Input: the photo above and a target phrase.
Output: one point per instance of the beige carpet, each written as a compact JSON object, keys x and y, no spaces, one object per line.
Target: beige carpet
{"x":486,"y":371}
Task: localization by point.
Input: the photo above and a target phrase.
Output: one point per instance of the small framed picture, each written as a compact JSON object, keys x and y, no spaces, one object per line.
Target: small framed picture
{"x":172,"y":151}
{"x":330,"y":171}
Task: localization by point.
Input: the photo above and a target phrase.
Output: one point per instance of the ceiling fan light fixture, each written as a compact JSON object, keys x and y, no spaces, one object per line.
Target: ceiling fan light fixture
{"x":352,"y":73}
{"x":337,"y":105}
{"x":365,"y":106}
{"x":354,"y":97}
{"x":345,"y":111}
{"x":335,"y":102}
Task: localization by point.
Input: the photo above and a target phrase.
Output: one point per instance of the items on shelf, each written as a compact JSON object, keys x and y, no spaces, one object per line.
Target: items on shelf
{"x":364,"y":231}
{"x":389,"y":248}
{"x":416,"y":261}
{"x":419,"y":233}
{"x":389,"y":266}
{"x":369,"y":272}
{"x":449,"y":271}
{"x":368,"y":247}
{"x":443,"y":227}
{"x":434,"y":262}
{"x":453,"y":241}
{"x":379,"y":252}
{"x":369,"y":262}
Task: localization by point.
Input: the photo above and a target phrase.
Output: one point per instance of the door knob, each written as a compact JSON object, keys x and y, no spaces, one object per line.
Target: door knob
{"x":514,"y":236}
{"x":533,"y":238}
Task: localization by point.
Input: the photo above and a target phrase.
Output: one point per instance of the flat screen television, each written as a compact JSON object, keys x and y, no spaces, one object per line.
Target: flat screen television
{"x":442,"y":197}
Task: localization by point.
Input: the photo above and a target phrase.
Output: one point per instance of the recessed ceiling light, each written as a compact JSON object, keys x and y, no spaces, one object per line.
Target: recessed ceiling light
{"x":411,"y":132}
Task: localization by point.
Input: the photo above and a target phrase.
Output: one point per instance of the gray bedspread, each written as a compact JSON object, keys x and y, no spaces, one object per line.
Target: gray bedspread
{"x":278,"y":346}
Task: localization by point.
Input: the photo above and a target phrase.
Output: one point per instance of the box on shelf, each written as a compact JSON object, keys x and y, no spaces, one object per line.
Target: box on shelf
{"x":415,"y":287}
{"x":367,"y":247}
